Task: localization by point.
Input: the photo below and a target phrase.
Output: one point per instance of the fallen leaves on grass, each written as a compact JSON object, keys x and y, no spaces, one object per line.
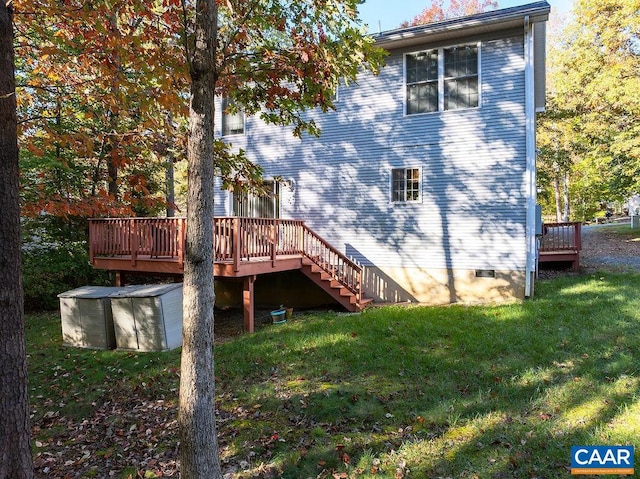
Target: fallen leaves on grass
{"x":124,"y":433}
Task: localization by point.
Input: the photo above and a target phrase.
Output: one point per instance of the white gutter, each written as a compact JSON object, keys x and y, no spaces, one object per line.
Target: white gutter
{"x":530,"y":175}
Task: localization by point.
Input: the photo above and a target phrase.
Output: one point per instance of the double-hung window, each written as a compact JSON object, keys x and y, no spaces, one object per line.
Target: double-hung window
{"x":442,"y":79}
{"x":422,"y":82}
{"x":460,"y":77}
{"x":405,"y":185}
{"x":232,"y":123}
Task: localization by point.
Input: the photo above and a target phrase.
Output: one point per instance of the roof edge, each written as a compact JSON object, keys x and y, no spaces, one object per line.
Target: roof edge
{"x":456,"y":27}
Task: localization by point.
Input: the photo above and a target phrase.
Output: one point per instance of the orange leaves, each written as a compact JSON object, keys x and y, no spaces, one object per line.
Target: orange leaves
{"x":95,"y":85}
{"x":456,"y":8}
{"x":34,"y":149}
{"x":138,"y":183}
{"x":87,"y":206}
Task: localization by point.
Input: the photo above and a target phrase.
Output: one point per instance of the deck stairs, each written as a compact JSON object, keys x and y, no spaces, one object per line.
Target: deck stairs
{"x":334,"y":284}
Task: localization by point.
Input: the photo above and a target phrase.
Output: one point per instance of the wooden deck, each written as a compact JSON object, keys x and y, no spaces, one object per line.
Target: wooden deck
{"x":561,"y":242}
{"x":243,"y":248}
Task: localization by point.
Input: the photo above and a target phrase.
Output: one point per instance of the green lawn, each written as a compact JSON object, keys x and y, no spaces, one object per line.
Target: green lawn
{"x":456,"y":391}
{"x":620,"y":229}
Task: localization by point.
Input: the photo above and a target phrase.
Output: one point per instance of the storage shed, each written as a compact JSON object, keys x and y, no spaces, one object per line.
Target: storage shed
{"x":148,"y":317}
{"x":87,"y":320}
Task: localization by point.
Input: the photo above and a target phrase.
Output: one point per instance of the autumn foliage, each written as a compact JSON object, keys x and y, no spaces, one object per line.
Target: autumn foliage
{"x":100,"y":89}
{"x":454,"y":8}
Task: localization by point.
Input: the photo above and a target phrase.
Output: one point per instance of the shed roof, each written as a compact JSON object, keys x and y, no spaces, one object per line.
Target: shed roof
{"x":479,"y":23}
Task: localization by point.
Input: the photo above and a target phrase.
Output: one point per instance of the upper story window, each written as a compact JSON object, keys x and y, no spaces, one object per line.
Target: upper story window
{"x":442,"y":79}
{"x":405,"y":184}
{"x":422,"y":82}
{"x":460,"y":77}
{"x":232,"y":123}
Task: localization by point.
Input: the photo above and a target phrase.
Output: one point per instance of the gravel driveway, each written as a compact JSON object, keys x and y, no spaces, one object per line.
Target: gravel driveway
{"x":603,"y":249}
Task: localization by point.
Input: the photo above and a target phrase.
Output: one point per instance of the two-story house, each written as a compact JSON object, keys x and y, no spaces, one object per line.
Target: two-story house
{"x":426,"y":173}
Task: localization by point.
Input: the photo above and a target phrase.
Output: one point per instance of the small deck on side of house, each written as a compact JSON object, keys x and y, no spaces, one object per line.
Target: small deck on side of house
{"x":561,"y":242}
{"x":243,"y":248}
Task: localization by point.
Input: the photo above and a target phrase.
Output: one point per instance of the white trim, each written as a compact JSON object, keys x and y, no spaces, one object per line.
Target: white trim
{"x":228,"y":202}
{"x":479,"y":75}
{"x":441,"y":79}
{"x":530,"y":175}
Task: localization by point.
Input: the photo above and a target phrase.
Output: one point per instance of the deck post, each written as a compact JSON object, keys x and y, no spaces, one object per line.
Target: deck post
{"x":91,"y":241}
{"x":236,"y":244}
{"x":248,"y":303}
{"x":182,"y":231}
{"x":274,"y":239}
{"x":133,"y":241}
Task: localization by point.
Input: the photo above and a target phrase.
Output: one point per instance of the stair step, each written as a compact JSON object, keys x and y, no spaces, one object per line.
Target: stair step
{"x":346,"y":293}
{"x":333,"y":285}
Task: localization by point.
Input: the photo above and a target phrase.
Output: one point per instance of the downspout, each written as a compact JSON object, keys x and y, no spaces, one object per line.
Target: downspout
{"x":530,"y":175}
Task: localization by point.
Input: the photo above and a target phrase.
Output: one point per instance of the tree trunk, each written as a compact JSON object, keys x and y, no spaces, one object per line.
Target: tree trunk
{"x":170,"y":185}
{"x":15,"y":447}
{"x":567,"y":207}
{"x":196,"y":415}
{"x":113,"y":160}
{"x":556,"y":191}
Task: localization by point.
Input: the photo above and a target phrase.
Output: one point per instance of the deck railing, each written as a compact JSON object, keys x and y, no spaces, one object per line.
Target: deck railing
{"x":236,"y":240}
{"x":137,"y":237}
{"x":561,"y":237}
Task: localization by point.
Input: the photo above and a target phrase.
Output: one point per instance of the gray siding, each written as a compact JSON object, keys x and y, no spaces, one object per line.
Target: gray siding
{"x":472,"y":213}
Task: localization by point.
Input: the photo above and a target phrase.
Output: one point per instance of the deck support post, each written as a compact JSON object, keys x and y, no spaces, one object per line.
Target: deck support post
{"x":120,"y":278}
{"x":274,"y":240}
{"x":237,"y":247}
{"x":248,"y":303}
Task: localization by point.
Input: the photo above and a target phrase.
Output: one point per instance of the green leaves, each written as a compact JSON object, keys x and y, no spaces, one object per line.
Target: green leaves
{"x":590,"y":130}
{"x":279,"y":59}
{"x":235,"y":169}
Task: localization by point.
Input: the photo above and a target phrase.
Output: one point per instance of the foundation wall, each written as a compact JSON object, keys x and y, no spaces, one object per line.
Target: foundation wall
{"x":441,"y":286}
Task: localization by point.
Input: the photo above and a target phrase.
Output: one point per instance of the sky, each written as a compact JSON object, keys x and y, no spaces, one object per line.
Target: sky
{"x":388,"y":14}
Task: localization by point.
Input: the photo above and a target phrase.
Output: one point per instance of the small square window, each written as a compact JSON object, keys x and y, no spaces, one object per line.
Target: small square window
{"x":405,"y":184}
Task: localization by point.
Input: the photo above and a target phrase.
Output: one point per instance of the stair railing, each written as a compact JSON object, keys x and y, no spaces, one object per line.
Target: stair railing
{"x":333,"y":262}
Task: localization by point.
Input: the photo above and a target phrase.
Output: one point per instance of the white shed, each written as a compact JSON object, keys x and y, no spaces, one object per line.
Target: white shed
{"x":87,"y":320}
{"x":148,"y":317}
